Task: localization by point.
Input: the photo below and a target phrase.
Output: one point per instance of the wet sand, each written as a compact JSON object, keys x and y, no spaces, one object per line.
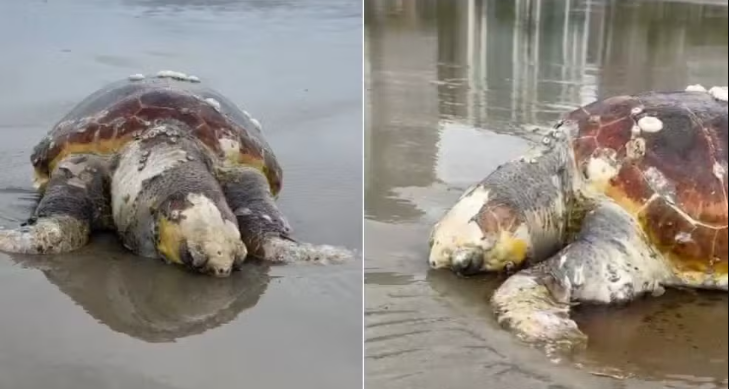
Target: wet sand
{"x":102,"y":318}
{"x":453,"y":90}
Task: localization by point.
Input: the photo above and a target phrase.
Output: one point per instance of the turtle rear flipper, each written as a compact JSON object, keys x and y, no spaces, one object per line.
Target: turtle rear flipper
{"x":263,"y":227}
{"x":75,"y":202}
{"x":610,"y":262}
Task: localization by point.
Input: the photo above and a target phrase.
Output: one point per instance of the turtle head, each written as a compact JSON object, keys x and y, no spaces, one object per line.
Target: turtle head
{"x":518,"y":212}
{"x":197,"y":235}
{"x":479,"y":234}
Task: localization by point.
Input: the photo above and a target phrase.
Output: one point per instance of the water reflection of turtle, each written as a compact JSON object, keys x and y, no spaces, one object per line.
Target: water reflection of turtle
{"x":154,"y":306}
{"x":175,"y":168}
{"x":628,"y":195}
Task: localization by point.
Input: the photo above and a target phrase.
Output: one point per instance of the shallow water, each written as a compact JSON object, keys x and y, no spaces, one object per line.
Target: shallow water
{"x":453,"y":90}
{"x":101,"y":318}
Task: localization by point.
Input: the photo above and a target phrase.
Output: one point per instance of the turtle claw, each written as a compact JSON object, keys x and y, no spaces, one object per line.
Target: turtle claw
{"x":31,"y":221}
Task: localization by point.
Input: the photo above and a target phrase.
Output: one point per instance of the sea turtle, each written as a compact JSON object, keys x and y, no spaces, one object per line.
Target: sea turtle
{"x":175,"y":168}
{"x":625,"y":196}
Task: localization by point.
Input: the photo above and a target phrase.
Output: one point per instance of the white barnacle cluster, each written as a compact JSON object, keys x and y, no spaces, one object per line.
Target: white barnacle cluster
{"x":532,"y":157}
{"x":650,"y":124}
{"x":601,"y":169}
{"x":696,"y":88}
{"x":177,"y":76}
{"x":159,"y":130}
{"x":216,"y":105}
{"x":213,"y":103}
{"x":717,"y":92}
{"x":551,"y":140}
{"x":253,"y":120}
{"x":719,"y":171}
{"x":553,"y":136}
{"x":143,"y":160}
{"x":642,"y":124}
{"x":256,"y":123}
{"x":684,"y":238}
{"x":154,"y":131}
{"x":635,"y":148}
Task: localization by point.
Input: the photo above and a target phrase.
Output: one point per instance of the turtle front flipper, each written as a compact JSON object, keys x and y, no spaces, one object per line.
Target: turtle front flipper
{"x":610,"y":262}
{"x":75,"y":202}
{"x":263,"y":227}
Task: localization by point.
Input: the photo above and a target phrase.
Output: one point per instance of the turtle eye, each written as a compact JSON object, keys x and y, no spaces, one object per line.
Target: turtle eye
{"x":509,"y":267}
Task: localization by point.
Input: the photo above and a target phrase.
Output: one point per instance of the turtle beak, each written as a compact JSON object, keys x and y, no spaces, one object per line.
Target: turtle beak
{"x":220,"y":272}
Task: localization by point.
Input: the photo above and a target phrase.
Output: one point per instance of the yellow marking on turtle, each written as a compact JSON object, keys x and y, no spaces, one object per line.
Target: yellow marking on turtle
{"x":231,"y":150}
{"x":168,"y":243}
{"x":257,"y":163}
{"x":701,"y":279}
{"x":508,"y":248}
{"x":694,"y":269}
{"x":252,"y":161}
{"x":622,"y":199}
{"x":688,"y":270}
{"x":40,"y":180}
{"x":102,"y":147}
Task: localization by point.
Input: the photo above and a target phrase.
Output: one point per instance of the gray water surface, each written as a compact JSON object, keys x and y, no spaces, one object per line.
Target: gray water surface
{"x":454,"y":88}
{"x":102,"y":318}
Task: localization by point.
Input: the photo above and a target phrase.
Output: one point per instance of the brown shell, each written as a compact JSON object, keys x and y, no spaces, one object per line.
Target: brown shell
{"x":683,"y":170}
{"x":109,"y":118}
